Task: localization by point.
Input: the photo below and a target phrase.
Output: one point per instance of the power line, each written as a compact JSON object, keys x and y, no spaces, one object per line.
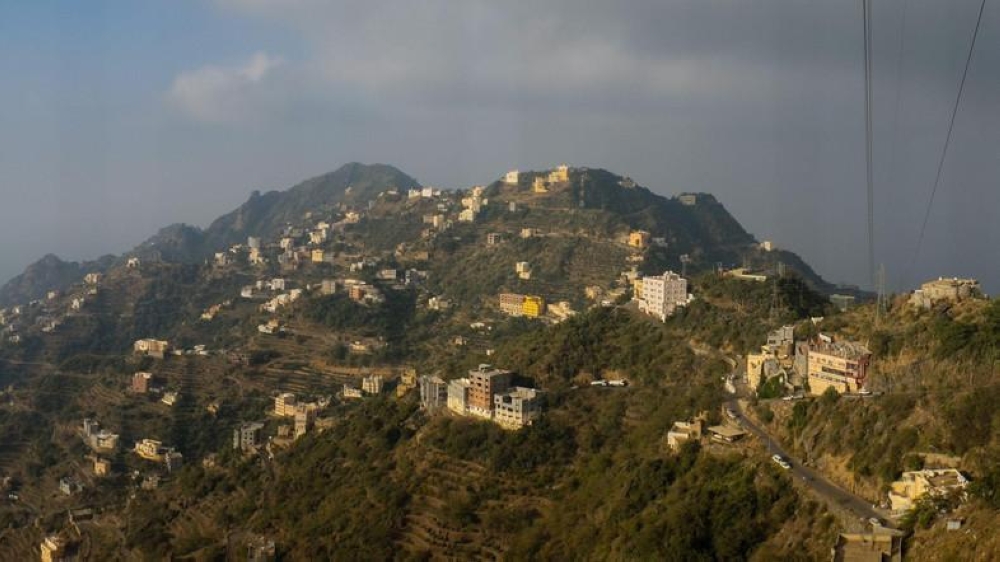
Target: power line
{"x":894,"y":158}
{"x":869,"y":175}
{"x":947,"y":140}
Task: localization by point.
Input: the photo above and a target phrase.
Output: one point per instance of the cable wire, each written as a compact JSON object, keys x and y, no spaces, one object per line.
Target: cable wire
{"x":869,"y":137}
{"x":947,"y":139}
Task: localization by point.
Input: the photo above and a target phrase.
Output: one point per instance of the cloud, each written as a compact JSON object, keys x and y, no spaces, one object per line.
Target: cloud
{"x":224,"y":93}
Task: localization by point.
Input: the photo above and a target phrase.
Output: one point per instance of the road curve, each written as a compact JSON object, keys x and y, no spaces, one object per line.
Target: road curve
{"x":808,"y":477}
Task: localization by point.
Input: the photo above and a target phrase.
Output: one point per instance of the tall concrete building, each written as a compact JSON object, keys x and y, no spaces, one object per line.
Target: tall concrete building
{"x":485,"y":383}
{"x":247,"y":436}
{"x":433,"y":393}
{"x":516,"y":408}
{"x":458,"y":396}
{"x":662,"y":294}
{"x":841,"y":365}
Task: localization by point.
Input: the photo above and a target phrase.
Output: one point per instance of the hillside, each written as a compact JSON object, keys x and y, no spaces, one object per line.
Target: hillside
{"x":48,"y":274}
{"x":348,"y":284}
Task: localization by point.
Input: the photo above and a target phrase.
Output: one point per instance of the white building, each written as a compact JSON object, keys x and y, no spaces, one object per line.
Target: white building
{"x":458,"y":396}
{"x":516,"y":408}
{"x":372,"y":384}
{"x":662,"y":294}
{"x":512,"y":177}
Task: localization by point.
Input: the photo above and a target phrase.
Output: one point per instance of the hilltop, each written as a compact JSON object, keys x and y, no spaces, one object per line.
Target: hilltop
{"x":705,"y":232}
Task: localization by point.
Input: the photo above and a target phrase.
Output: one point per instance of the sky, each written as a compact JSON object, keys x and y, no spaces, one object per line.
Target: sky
{"x":120,"y":117}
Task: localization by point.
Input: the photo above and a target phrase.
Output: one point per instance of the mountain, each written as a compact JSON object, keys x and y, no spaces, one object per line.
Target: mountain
{"x":266,"y":214}
{"x":48,"y":274}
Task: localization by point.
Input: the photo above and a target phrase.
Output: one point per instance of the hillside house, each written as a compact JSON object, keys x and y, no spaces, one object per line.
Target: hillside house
{"x":539,"y":185}
{"x":516,"y":408}
{"x":485,"y":383}
{"x":512,"y":177}
{"x":682,"y":432}
{"x":662,"y":294}
{"x":92,"y":278}
{"x":433,"y":393}
{"x":247,"y":437}
{"x":285,"y":404}
{"x":905,"y":492}
{"x":458,"y":396}
{"x":372,"y":384}
{"x":638,"y":239}
{"x":841,"y":365}
{"x":141,"y":382}
{"x":560,"y":174}
{"x":153,"y":450}
{"x":151,"y":348}
{"x":943,"y":289}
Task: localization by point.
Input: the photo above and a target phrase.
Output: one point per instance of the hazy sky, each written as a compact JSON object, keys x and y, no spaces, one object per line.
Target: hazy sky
{"x":117,"y":118}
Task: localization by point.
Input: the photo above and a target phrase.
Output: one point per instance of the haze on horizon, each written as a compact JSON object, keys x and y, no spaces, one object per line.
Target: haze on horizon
{"x":118,"y":118}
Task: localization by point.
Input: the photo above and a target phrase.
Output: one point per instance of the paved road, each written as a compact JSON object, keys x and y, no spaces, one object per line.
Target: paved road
{"x":810,"y":478}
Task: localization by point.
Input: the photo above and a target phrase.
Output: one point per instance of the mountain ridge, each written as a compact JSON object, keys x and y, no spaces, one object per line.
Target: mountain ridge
{"x":705,"y":230}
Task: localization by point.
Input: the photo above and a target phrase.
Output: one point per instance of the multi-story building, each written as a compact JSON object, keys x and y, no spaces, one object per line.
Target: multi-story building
{"x":458,"y":396}
{"x":512,"y":177}
{"x":559,"y":174}
{"x":486,"y":382}
{"x":842,"y":366}
{"x":781,"y":341}
{"x":512,"y":304}
{"x":372,"y":384}
{"x":912,"y":486}
{"x":638,"y":239}
{"x":153,"y":450}
{"x":141,"y":382}
{"x":533,"y":306}
{"x":494,"y":238}
{"x":247,"y":436}
{"x":151,"y":347}
{"x":304,"y":419}
{"x":662,"y":294}
{"x":539,"y":185}
{"x":285,"y":404}
{"x":433,"y":393}
{"x":516,"y":407}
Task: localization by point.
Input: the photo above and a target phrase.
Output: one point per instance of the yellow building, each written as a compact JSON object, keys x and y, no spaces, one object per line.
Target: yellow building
{"x":101,"y":467}
{"x":534,"y":306}
{"x":912,"y":486}
{"x":317,"y":256}
{"x":638,"y":239}
{"x":540,"y":185}
{"x":840,"y":365}
{"x":53,"y":548}
{"x":150,"y":449}
{"x":755,"y":368}
{"x":637,"y":288}
{"x":559,"y":174}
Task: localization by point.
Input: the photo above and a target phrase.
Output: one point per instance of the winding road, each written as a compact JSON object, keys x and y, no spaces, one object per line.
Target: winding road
{"x":810,"y":478}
